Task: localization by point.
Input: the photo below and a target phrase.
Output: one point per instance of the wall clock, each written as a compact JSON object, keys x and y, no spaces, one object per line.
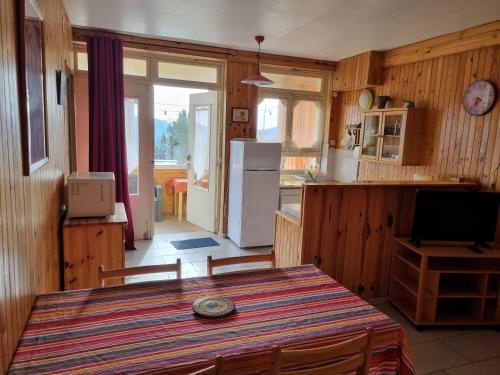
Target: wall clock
{"x":479,"y":98}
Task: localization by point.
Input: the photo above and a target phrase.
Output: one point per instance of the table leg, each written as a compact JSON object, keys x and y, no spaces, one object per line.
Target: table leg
{"x":175,"y":204}
{"x":179,"y":206}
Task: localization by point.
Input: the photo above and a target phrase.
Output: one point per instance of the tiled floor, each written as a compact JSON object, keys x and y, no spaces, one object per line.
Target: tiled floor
{"x":193,"y":261}
{"x":435,"y":351}
{"x":449,"y":351}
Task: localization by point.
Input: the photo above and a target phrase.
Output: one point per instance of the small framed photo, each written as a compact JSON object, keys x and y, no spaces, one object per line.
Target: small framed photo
{"x":240,"y":114}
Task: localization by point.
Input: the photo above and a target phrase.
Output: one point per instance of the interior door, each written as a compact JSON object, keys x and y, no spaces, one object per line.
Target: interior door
{"x":202,"y":160}
{"x":139,"y":140}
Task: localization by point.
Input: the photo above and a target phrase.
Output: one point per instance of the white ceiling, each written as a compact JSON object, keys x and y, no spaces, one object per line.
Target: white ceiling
{"x":322,"y":29}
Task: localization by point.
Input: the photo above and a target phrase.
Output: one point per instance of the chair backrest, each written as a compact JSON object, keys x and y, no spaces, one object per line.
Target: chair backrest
{"x":359,"y":348}
{"x":212,"y":263}
{"x":216,"y":369}
{"x":141,"y":270}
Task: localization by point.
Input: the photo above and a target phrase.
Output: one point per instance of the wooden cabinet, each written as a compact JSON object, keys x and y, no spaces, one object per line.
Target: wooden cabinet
{"x":90,"y":242}
{"x":445,"y":285}
{"x":392,"y":135}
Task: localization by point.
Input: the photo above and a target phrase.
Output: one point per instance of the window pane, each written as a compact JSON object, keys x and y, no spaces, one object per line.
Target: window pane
{"x":306,"y":127}
{"x":201,"y":147}
{"x":187,"y":72}
{"x":271,"y":120}
{"x":370,"y":135}
{"x":135,"y":67}
{"x":294,"y":82}
{"x":132,"y":142}
{"x":309,"y":163}
{"x":171,"y":113}
{"x":82,"y":61}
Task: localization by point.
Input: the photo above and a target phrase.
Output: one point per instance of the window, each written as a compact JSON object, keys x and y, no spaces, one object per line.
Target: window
{"x":292,"y":112}
{"x":132,"y":142}
{"x":295,"y":82}
{"x":135,"y":67}
{"x":187,"y":72}
{"x":82,"y":61}
{"x":132,"y":66}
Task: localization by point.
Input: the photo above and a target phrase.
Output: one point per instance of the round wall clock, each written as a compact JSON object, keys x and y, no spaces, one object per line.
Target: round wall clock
{"x":366,"y":99}
{"x":479,"y":98}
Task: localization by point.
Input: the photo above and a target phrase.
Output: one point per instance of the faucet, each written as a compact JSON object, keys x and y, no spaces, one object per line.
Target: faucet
{"x":311,"y":176}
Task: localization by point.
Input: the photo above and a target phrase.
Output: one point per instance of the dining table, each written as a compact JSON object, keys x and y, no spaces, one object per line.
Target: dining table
{"x":150,"y":327}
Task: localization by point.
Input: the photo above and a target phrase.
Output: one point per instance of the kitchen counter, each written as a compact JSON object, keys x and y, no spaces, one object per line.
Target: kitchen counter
{"x":347,"y":229}
{"x":292,"y":209}
{"x":410,"y":183}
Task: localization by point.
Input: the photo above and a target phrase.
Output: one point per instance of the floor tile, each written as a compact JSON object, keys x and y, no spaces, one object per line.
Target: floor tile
{"x":433,"y":356}
{"x":488,"y":367}
{"x":138,"y":260}
{"x":187,"y":268}
{"x":200,"y":267}
{"x":141,"y":245}
{"x":476,"y":345}
{"x":414,"y":335}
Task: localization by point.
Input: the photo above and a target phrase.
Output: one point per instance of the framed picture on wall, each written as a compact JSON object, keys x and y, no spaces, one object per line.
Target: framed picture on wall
{"x":32,"y":86}
{"x":240,"y":115}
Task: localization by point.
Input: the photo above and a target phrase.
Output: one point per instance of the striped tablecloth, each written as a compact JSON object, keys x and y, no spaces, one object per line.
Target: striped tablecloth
{"x":150,"y":327}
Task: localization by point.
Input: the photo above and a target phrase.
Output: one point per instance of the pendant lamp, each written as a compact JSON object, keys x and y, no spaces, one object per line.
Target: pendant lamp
{"x":258,"y":79}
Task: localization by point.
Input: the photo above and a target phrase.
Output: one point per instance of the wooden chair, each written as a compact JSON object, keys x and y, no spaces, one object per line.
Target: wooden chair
{"x":216,"y":369}
{"x":361,"y":346}
{"x":212,"y":263}
{"x":141,"y":270}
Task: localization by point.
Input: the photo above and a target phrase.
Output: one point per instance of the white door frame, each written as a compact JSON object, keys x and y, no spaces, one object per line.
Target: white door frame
{"x":142,"y":203}
{"x":202,"y":200}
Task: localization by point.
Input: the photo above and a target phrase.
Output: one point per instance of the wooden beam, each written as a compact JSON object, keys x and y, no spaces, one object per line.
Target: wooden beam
{"x":476,"y":37}
{"x":192,"y":49}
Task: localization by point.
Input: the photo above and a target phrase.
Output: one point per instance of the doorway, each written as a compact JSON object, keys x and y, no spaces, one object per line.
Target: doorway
{"x":185,"y":158}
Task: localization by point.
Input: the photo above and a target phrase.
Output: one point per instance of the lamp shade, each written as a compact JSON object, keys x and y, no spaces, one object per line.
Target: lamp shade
{"x":257,"y":79}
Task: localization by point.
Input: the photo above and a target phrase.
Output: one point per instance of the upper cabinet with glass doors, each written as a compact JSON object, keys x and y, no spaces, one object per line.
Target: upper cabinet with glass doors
{"x":393,"y":135}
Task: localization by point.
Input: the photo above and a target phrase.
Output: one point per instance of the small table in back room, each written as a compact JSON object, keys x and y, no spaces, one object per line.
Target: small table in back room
{"x":177,"y":186}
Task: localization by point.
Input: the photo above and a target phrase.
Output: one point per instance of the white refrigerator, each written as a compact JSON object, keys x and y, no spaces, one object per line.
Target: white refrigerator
{"x":254,"y":182}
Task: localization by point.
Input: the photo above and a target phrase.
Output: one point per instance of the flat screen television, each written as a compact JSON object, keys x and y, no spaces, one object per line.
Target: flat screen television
{"x":455,"y":216}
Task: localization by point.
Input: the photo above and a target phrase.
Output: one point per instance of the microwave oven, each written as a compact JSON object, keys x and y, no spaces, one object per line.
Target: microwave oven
{"x":91,"y":194}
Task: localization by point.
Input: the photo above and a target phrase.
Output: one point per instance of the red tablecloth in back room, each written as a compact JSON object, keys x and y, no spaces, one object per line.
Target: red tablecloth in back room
{"x":176,"y":185}
{"x":150,"y":327}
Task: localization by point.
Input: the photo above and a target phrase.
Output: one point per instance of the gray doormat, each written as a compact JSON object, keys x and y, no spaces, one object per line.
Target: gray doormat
{"x":194,"y":243}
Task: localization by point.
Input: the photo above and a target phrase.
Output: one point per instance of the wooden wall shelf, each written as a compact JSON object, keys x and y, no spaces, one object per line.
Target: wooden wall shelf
{"x":445,"y":285}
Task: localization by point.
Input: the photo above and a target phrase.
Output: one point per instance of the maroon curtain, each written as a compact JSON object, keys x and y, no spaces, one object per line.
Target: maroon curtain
{"x":107,"y":150}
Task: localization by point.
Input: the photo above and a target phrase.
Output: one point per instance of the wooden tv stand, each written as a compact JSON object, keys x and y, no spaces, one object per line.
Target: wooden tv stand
{"x":445,"y":284}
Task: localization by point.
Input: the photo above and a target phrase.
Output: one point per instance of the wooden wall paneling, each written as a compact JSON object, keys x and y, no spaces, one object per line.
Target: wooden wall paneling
{"x":29,"y":206}
{"x":358,"y":71}
{"x":454,"y":142}
{"x":486,"y":35}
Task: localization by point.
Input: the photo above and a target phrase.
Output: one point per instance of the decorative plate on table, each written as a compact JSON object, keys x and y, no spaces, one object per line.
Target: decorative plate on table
{"x":212,"y":307}
{"x":479,"y":98}
{"x":366,"y":99}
